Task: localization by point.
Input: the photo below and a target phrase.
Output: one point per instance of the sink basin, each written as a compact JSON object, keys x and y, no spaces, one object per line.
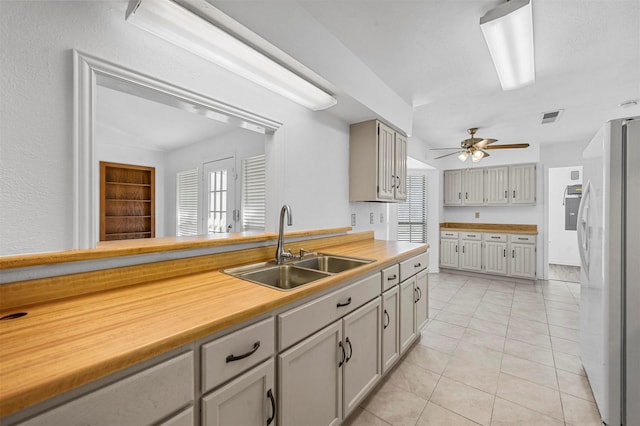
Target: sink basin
{"x":331,"y":263}
{"x":296,"y":273}
{"x":284,"y":277}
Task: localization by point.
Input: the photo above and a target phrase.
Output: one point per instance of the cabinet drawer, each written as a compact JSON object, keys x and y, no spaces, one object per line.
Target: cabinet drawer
{"x":449,"y":234}
{"x":390,"y":277}
{"x":144,"y":398}
{"x":300,"y":322}
{"x":495,"y":237}
{"x":413,"y":266}
{"x":524,"y":239}
{"x":229,"y":356}
{"x":474,"y":236}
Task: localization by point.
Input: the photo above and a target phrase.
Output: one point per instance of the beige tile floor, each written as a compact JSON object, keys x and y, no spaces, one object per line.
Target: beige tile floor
{"x":493,"y":353}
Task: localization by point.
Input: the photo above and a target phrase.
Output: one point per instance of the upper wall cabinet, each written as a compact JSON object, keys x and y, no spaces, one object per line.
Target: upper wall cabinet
{"x":491,"y":186}
{"x":377,"y":163}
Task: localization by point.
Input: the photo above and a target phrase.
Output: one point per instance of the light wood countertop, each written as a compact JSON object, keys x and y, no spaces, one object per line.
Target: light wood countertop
{"x":65,"y":343}
{"x":490,"y":227}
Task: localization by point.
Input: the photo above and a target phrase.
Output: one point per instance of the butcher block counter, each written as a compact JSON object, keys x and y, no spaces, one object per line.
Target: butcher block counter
{"x":67,"y":340}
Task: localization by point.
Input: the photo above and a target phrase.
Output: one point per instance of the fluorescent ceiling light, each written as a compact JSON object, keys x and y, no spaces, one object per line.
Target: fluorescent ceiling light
{"x":508,"y":31}
{"x":177,"y":25}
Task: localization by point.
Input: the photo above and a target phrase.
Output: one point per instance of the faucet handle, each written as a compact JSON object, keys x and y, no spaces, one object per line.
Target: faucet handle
{"x":304,"y":253}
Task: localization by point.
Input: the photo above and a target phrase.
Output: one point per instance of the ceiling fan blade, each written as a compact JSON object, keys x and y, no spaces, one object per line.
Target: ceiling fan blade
{"x":437,"y":149}
{"x":508,"y":146}
{"x":447,"y":155}
{"x":484,"y":142}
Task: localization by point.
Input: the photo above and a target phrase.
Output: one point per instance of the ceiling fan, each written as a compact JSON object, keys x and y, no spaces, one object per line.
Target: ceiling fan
{"x":477,"y":147}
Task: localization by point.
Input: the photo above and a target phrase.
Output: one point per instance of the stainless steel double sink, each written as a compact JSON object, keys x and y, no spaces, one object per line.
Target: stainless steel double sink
{"x":295,"y":273}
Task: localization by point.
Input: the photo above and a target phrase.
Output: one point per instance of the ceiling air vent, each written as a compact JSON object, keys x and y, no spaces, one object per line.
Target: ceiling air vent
{"x":550,"y":117}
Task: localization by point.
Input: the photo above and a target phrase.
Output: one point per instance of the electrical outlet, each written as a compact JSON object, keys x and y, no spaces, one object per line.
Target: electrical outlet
{"x":371,"y":218}
{"x":477,"y":215}
{"x":353,"y":219}
{"x":381,"y":217}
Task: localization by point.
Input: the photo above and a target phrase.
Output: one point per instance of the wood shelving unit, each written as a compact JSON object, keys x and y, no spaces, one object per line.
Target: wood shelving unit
{"x":127,"y":201}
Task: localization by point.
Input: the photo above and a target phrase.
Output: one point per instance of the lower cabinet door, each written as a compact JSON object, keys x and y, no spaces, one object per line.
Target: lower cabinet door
{"x":407,"y":313}
{"x":471,"y":256}
{"x":390,"y":328}
{"x":362,"y":342}
{"x":248,"y":400}
{"x":422,"y":300}
{"x":495,"y":258}
{"x":449,"y":257}
{"x":310,"y":380}
{"x":523,"y":260}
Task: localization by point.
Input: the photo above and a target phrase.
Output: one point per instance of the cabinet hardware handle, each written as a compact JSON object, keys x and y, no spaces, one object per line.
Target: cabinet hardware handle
{"x":456,"y":248}
{"x":514,"y":194}
{"x":232,"y":357}
{"x":415,"y":293}
{"x":419,"y":293}
{"x":504,"y":253}
{"x":496,"y":238}
{"x":347,"y":303}
{"x":459,"y":195}
{"x":350,"y":351}
{"x":386,"y":314}
{"x":273,"y":406}
{"x":466,"y":195}
{"x":341,"y":346}
{"x":392,"y":277}
{"x":417,"y":265}
{"x":506,"y":194}
{"x":523,"y":238}
{"x":471,"y":236}
{"x":513,"y":254}
{"x":398,"y":185}
{"x":463,"y":248}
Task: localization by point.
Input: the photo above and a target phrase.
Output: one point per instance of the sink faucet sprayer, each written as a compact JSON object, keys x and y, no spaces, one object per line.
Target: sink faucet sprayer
{"x":281,"y":255}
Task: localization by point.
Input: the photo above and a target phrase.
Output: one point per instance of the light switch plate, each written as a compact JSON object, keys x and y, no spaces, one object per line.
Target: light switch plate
{"x":371,"y":218}
{"x":353,"y":219}
{"x":477,"y":215}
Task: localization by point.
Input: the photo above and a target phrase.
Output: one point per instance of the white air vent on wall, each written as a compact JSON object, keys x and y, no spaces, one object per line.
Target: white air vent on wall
{"x":550,"y":117}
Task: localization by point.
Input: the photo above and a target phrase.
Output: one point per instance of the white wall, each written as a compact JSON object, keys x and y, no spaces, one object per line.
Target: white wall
{"x":307,"y":157}
{"x":563,"y":244}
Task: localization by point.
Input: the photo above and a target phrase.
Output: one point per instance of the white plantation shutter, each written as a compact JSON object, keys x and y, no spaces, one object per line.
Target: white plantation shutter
{"x":187,"y":203}
{"x":253,"y":193}
{"x":412,"y":214}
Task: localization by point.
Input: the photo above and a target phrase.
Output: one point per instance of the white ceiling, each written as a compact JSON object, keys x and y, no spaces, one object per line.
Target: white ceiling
{"x":433,"y":55}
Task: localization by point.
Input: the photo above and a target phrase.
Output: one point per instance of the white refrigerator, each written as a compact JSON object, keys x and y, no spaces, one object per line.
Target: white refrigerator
{"x":609,"y":240}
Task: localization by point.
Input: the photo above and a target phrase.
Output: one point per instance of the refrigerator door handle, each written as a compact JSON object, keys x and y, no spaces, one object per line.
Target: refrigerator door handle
{"x":583,"y":228}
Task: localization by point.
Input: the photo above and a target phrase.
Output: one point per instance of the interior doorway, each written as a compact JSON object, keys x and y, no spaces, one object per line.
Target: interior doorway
{"x":219,"y":188}
{"x":565,"y":193}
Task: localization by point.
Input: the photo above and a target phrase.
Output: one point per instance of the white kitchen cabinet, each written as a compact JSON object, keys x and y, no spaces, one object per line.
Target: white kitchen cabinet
{"x":452,"y":188}
{"x":473,"y":184}
{"x":377,"y":163}
{"x":362,"y":343}
{"x":522,"y":183}
{"x":248,"y":400}
{"x":407,"y":314}
{"x":491,"y":186}
{"x":422,"y":300}
{"x":496,"y":185}
{"x":390,"y":328}
{"x":494,"y":254}
{"x":143,"y":398}
{"x":471,"y":251}
{"x":523,"y":256}
{"x":449,"y":249}
{"x":310,"y":380}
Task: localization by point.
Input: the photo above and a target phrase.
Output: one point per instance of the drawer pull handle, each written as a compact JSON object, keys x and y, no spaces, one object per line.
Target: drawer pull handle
{"x":273,"y":406}
{"x":513,"y":254}
{"x":523,"y":238}
{"x":419,"y":293}
{"x":347,"y":303}
{"x":471,"y":235}
{"x":393,"y":277}
{"x":417,"y":265}
{"x":505,"y":194}
{"x":232,"y":357}
{"x":504,"y":252}
{"x":415,"y":293}
{"x":341,"y":346}
{"x":386,"y":314}
{"x":496,"y":238}
{"x":350,"y":350}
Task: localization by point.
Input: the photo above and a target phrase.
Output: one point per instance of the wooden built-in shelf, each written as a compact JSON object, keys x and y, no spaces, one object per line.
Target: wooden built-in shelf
{"x":127,"y":201}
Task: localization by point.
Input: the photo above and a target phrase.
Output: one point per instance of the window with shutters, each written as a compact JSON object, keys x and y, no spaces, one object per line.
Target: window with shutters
{"x":253,"y":193}
{"x":412,"y":214}
{"x":187,"y":203}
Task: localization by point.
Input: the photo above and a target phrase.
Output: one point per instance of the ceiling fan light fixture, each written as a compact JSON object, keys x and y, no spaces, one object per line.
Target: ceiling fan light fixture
{"x":463,"y":156}
{"x":477,"y":156}
{"x":508,"y":31}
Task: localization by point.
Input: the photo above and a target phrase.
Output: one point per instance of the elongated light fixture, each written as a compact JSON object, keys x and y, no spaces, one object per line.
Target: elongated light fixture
{"x":177,"y":25}
{"x":508,"y":31}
